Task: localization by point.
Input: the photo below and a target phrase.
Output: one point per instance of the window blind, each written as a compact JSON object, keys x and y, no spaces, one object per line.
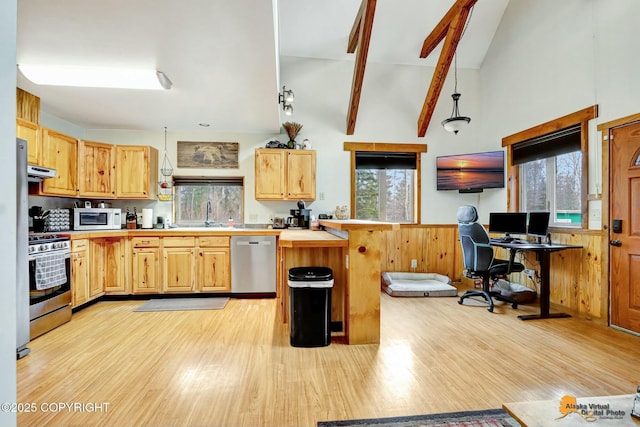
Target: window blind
{"x":552,"y":144}
{"x":385,"y":160}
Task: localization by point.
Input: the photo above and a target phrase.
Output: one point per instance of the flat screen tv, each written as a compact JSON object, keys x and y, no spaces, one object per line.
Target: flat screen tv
{"x":470,"y":172}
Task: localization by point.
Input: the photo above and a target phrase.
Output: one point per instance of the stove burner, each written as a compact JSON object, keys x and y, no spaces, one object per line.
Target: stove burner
{"x":44,"y":243}
{"x":46,"y":238}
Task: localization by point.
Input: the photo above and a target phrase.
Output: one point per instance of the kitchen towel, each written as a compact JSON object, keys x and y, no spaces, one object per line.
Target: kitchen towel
{"x":50,"y":271}
{"x":147,"y":218}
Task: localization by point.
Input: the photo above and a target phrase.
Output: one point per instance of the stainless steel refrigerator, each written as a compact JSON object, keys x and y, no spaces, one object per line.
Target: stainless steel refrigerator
{"x":22,"y":249}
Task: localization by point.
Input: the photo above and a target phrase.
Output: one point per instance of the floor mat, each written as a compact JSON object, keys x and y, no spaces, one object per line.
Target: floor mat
{"x":177,"y":304}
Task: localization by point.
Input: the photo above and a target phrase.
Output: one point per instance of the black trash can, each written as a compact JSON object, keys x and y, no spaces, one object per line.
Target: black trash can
{"x":310,"y":306}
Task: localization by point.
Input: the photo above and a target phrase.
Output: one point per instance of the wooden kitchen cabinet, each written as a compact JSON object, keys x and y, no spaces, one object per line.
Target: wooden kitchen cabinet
{"x":285,"y":174}
{"x":145,"y":265}
{"x":96,"y":169}
{"x":214,"y":264}
{"x":178,"y":264}
{"x":79,"y":271}
{"x":136,"y":172}
{"x":107,"y":271}
{"x":31,"y":133}
{"x":59,"y":152}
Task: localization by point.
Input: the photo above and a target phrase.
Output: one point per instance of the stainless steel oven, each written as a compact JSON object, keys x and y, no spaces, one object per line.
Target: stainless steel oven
{"x":49,"y":283}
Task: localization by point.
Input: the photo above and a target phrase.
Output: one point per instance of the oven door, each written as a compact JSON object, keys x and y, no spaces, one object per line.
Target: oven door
{"x":42,"y":301}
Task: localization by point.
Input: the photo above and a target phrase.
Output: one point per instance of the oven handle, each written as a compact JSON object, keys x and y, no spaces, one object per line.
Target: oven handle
{"x":67,"y":255}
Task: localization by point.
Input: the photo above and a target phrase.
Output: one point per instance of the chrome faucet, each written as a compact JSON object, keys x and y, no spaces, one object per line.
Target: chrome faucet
{"x":207,"y":221}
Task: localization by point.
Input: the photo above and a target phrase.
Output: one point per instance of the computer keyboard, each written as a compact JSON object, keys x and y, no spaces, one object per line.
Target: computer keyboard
{"x":502,"y":239}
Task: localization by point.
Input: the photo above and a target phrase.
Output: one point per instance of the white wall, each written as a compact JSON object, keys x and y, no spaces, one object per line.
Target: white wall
{"x":8,"y":14}
{"x":548,"y":59}
{"x":391,"y":101}
{"x":551,"y":58}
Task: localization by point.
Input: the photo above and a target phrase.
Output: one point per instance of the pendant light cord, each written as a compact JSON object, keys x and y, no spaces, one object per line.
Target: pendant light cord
{"x":455,"y":54}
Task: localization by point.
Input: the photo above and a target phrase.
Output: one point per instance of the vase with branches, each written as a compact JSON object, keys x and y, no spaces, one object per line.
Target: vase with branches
{"x":292,"y":129}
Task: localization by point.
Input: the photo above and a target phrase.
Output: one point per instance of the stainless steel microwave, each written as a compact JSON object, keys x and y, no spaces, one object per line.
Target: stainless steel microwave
{"x":97,"y":219}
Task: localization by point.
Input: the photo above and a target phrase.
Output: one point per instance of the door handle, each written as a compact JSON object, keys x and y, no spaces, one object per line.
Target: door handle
{"x":615,"y":243}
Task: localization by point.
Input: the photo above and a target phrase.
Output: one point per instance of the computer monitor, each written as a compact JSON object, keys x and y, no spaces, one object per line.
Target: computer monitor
{"x":508,"y":223}
{"x":538,"y":224}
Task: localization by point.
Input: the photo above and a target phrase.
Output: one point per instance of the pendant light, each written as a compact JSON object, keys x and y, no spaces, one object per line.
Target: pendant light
{"x":456,"y":121}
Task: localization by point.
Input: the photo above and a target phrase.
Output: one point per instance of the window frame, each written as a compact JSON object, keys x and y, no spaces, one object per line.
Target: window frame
{"x":238,"y":181}
{"x":416,"y":149}
{"x":581,"y":118}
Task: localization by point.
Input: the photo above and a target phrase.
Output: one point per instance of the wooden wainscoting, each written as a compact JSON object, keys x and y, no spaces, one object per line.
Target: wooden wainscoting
{"x":577,"y":283}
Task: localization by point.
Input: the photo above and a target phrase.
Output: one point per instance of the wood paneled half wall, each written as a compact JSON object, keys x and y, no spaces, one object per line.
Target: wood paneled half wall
{"x":576,"y":276}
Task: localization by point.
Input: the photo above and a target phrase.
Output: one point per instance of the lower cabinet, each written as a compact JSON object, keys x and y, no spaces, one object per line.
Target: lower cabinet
{"x":79,"y":272}
{"x":108,"y":263}
{"x":145,"y":265}
{"x":149,"y":265}
{"x":214,"y":266}
{"x":178,"y":264}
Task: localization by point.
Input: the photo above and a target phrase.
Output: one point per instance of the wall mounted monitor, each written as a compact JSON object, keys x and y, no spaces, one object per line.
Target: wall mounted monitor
{"x":470,"y":172}
{"x":508,"y":223}
{"x":538,"y":224}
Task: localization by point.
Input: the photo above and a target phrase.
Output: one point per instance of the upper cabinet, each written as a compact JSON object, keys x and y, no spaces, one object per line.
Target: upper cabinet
{"x":59,"y":152}
{"x":285,"y":174}
{"x":136,"y":171}
{"x":96,"y":169}
{"x":30,"y":132}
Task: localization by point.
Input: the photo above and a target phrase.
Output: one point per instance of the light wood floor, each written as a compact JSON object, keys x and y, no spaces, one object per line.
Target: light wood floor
{"x":234,"y":367}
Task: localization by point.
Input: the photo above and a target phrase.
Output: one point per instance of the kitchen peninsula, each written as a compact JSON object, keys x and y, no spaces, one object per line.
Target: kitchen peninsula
{"x":351,"y":248}
{"x":197,"y":260}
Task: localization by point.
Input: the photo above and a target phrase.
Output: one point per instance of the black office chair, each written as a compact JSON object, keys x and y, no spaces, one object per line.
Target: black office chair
{"x":478,"y":258}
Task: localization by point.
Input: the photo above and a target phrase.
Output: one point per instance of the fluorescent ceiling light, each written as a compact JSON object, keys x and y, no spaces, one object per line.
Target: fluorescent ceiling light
{"x":59,"y":75}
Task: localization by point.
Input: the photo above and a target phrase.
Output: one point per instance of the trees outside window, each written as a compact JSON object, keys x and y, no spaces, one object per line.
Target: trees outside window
{"x":191,"y":195}
{"x":554,"y":184}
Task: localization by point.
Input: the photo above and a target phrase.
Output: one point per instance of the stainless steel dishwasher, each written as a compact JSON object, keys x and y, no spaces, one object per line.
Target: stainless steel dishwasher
{"x":253,"y":265}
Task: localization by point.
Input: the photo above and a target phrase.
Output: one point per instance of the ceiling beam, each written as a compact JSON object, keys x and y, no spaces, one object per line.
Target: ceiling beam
{"x":450,"y":28}
{"x":355,"y":30}
{"x":364,"y":24}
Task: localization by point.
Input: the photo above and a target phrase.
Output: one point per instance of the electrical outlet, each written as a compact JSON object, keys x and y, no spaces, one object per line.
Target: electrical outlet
{"x":414,"y":263}
{"x":253,"y":217}
{"x":321,"y":195}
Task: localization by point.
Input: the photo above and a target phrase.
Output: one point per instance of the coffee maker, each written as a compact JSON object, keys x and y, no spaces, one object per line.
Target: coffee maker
{"x":299,"y":218}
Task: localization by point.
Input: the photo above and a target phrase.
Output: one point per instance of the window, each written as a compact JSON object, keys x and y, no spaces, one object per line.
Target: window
{"x":551,"y":175}
{"x":192,"y":195}
{"x":548,"y":166}
{"x":385,"y":181}
{"x":553,"y":185}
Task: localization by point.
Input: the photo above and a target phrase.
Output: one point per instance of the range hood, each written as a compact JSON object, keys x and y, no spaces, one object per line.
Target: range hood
{"x":38,"y":173}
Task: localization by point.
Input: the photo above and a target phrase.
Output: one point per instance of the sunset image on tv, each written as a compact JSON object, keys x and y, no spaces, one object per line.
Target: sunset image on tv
{"x":470,"y":171}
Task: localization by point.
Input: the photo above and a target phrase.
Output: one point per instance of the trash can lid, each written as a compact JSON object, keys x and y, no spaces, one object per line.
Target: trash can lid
{"x":310,"y":274}
{"x":311,"y":284}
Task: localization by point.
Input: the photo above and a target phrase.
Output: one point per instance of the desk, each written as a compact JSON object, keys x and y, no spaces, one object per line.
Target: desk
{"x":545,"y":413}
{"x":544,"y":250}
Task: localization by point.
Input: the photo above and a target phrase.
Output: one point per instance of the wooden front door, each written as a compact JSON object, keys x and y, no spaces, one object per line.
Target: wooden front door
{"x":625,"y":238}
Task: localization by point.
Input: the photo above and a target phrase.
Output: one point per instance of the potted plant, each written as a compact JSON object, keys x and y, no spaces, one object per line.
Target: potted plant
{"x":292,"y":129}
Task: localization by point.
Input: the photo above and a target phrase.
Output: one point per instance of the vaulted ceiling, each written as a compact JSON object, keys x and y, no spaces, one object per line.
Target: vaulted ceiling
{"x":221,"y":55}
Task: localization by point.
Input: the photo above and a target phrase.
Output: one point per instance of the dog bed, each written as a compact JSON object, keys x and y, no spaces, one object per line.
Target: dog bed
{"x":399,"y":284}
